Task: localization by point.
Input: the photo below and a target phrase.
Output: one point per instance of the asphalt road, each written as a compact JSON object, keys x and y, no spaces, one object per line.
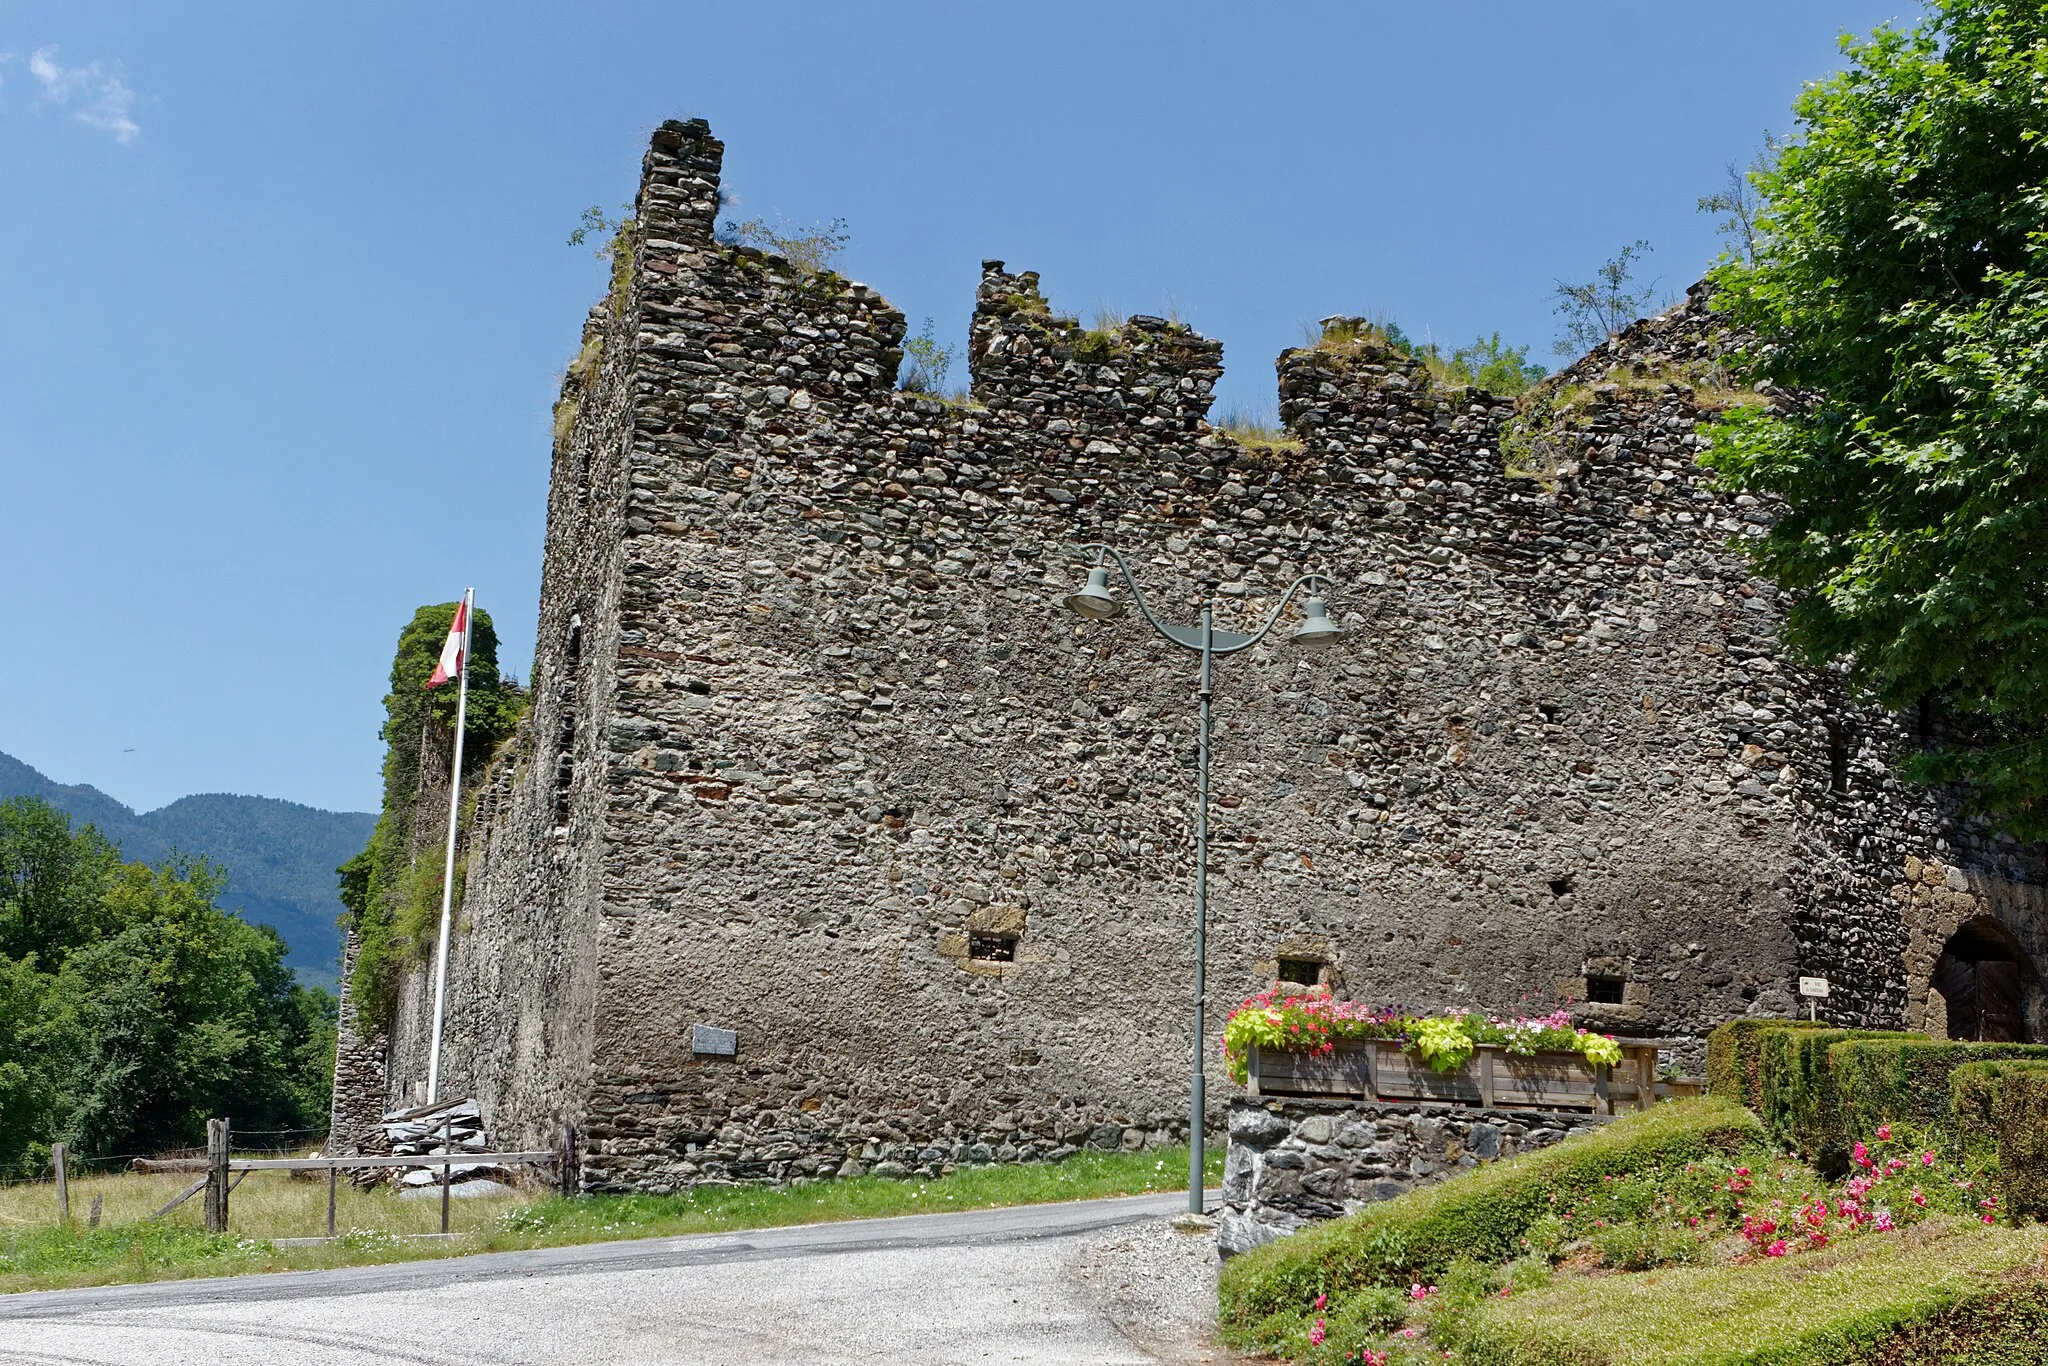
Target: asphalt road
{"x":1043,"y":1283}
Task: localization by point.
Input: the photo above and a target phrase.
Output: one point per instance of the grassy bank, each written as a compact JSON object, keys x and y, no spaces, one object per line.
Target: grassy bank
{"x":37,"y":1255}
{"x":1679,"y":1237}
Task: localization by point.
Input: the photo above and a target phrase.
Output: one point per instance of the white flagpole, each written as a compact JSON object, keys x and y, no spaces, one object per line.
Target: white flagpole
{"x":448,"y":867}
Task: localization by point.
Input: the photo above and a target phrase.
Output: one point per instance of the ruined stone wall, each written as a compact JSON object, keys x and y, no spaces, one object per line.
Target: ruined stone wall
{"x":523,"y":968}
{"x":833,"y":730}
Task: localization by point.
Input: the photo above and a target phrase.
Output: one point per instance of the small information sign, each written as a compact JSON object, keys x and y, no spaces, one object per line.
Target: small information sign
{"x":709,"y":1040}
{"x":1813,"y":986}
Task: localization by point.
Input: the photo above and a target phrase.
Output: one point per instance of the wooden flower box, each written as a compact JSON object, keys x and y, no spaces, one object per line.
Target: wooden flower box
{"x":1492,"y":1078}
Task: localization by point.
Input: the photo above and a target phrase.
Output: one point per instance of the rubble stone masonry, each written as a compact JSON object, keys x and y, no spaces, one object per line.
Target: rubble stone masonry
{"x":817,"y":756}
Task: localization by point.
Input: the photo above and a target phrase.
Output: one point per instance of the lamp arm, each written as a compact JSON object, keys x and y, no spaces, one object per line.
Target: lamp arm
{"x":1308,"y":581}
{"x":1131,"y":582}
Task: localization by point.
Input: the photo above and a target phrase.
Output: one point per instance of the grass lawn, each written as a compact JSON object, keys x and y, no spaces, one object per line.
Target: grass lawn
{"x":35,"y":1254}
{"x":1832,"y":1306}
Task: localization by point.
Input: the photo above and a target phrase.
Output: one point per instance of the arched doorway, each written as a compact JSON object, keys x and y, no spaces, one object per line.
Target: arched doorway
{"x":1979,"y":976}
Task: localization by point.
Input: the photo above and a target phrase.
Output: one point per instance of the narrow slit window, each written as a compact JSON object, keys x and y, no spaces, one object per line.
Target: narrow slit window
{"x":1306,"y":971}
{"x":1838,"y":759}
{"x":992,"y":948}
{"x":1606,"y":990}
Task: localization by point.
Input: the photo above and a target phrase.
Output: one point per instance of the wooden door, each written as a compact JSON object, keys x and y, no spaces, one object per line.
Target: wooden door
{"x":1998,"y":1003}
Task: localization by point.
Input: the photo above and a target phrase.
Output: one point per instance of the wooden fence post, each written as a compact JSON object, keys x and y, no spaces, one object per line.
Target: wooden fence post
{"x":92,"y":1220}
{"x":216,"y":1176}
{"x":565,"y":1165}
{"x":333,"y":1181}
{"x":447,"y":1172}
{"x":58,"y":1152}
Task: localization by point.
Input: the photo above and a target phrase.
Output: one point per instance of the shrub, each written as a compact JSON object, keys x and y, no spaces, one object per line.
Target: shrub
{"x":1481,"y":1215}
{"x":1733,"y":1052}
{"x":1799,"y":1105}
{"x":1894,"y":1081}
{"x":2002,"y":1105}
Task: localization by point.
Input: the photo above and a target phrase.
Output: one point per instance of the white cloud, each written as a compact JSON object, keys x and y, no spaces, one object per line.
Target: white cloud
{"x":98,"y":97}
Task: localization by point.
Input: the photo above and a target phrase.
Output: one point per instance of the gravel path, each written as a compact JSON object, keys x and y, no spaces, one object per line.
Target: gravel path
{"x":1091,"y":1282}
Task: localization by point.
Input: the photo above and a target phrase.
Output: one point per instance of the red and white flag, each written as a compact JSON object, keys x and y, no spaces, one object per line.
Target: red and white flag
{"x":451,"y":652}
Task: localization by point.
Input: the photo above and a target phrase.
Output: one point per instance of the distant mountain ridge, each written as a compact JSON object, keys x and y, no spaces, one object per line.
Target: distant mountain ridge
{"x":280,"y":857}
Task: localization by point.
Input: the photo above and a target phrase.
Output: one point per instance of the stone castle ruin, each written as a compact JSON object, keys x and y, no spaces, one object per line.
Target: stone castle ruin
{"x":816,"y":757}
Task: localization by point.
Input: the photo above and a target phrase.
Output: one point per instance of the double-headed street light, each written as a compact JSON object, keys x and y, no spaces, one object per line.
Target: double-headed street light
{"x":1097,"y":603}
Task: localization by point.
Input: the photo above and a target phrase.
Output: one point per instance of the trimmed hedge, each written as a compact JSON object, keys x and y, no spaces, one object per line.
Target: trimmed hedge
{"x":1733,"y":1053}
{"x":2004,"y":1103}
{"x":1800,"y":1106}
{"x":1480,"y":1216}
{"x":1893,"y":1081}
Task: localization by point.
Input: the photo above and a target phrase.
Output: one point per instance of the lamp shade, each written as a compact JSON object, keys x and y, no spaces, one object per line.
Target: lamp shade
{"x":1316,"y":629}
{"x":1094,"y":601}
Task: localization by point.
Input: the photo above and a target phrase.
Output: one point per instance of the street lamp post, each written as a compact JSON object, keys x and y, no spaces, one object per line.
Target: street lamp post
{"x":1096,"y":603}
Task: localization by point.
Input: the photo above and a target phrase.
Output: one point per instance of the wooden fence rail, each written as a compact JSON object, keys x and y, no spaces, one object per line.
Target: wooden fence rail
{"x":219,"y":1165}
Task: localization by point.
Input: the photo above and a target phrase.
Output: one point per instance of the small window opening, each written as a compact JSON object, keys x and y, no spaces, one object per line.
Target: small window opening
{"x":570,"y":690}
{"x":1838,"y":759}
{"x":1606,"y":990}
{"x":992,"y":948}
{"x":1305,"y":971}
{"x":1562,"y":886}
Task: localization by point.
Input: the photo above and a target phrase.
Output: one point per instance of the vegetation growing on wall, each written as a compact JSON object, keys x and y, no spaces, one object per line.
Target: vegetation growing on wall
{"x":927,"y":363}
{"x":132,"y":1007}
{"x":393,"y":887}
{"x":1487,"y":363}
{"x":1900,"y":283}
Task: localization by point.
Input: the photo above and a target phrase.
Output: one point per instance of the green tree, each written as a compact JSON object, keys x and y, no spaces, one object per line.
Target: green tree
{"x":1495,"y":366}
{"x":1603,"y":305}
{"x":926,"y":363}
{"x":1899,"y":301}
{"x":392,"y":889}
{"x":144,"y":1008}
{"x":50,"y":881}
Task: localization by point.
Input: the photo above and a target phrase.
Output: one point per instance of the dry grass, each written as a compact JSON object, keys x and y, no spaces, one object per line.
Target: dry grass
{"x":37,"y":1255}
{"x":1256,"y":431}
{"x":265,"y":1205}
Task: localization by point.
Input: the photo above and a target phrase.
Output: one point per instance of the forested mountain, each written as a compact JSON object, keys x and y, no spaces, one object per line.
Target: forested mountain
{"x":279,"y":856}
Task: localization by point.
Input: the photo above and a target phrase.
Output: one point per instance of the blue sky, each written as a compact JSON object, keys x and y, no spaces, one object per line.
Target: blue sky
{"x":286,"y":294}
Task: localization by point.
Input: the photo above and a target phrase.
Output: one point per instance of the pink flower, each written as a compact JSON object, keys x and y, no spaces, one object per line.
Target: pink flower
{"x":1988,"y":1219}
{"x":1816,"y":1240}
{"x":1884,"y":1133}
{"x":1776,"y":1249}
{"x":1927,"y":1159}
{"x":1919,"y":1197}
{"x":1884,"y":1221}
{"x":1421,"y":1292}
{"x":1321,"y":1300}
{"x":1408,"y":1333}
{"x":1317,"y":1334}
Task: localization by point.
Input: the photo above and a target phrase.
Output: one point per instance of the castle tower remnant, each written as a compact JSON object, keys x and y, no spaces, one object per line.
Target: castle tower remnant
{"x":816,"y":758}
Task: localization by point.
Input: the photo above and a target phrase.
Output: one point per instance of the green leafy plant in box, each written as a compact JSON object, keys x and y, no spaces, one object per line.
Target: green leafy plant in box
{"x":1314,"y":1023}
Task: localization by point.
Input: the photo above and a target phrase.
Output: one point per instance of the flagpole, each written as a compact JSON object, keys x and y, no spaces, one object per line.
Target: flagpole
{"x":448,"y":866}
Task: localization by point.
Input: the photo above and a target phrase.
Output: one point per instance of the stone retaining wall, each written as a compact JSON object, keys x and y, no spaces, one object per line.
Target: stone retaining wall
{"x":1292,"y":1161}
